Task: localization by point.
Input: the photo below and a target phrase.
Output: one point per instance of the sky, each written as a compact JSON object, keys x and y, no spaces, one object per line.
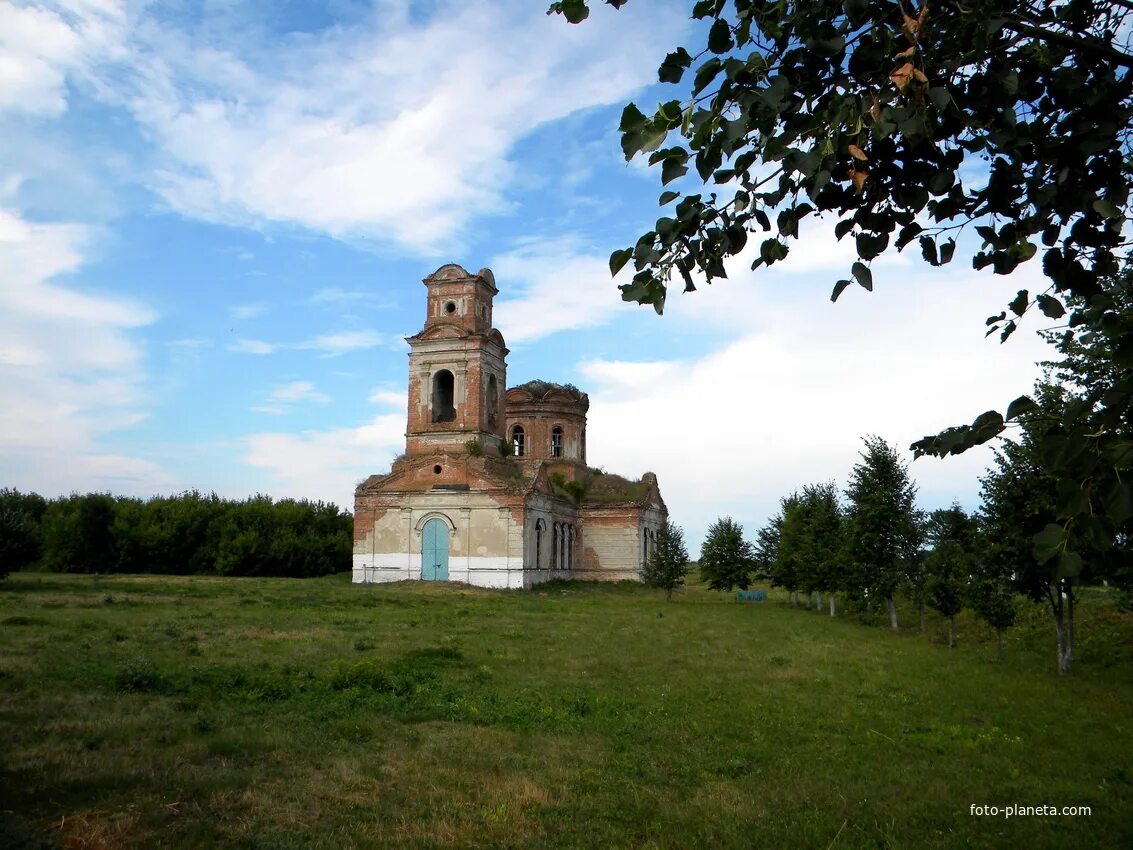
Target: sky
{"x":215,"y":217}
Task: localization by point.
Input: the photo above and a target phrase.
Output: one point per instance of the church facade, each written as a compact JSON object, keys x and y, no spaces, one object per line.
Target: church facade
{"x":494,"y":488}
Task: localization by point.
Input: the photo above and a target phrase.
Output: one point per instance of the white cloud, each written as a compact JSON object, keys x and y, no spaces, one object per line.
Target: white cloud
{"x":389,"y":397}
{"x":40,"y":47}
{"x":550,"y":286}
{"x":70,"y":371}
{"x":326,"y":464}
{"x":330,"y":345}
{"x":253,"y":346}
{"x":334,"y":296}
{"x":248,"y":311}
{"x":339,"y":343}
{"x":284,"y":397}
{"x":395,"y":127}
{"x":787,"y":402}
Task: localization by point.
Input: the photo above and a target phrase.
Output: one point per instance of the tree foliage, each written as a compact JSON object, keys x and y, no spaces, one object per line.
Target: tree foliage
{"x":952,"y":535}
{"x":21,"y":544}
{"x":183,"y":535}
{"x":810,"y":544}
{"x":914,"y":123}
{"x":767,"y":558}
{"x":882,"y":528}
{"x":726,"y":559}
{"x":667,"y":564}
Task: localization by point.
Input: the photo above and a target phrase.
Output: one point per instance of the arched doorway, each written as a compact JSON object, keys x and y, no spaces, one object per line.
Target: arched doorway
{"x":434,"y":551}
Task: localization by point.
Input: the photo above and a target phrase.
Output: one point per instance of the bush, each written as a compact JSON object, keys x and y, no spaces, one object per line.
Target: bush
{"x":195,"y":534}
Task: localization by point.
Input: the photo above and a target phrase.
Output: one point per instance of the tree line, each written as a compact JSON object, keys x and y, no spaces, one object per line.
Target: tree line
{"x":189,"y":534}
{"x":878,"y":544}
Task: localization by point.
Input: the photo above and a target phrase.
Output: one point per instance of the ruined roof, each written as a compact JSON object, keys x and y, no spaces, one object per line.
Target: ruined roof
{"x":540,"y":390}
{"x":608,"y":488}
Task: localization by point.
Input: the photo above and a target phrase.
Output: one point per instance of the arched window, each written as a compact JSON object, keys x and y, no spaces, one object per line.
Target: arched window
{"x":517,"y":440}
{"x":570,"y":548}
{"x":444,"y":386}
{"x":556,"y":548}
{"x":556,"y":442}
{"x":493,"y":400}
{"x":539,"y":528}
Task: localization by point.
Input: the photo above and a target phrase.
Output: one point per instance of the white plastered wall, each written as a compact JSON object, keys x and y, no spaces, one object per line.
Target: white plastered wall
{"x":485,"y":543}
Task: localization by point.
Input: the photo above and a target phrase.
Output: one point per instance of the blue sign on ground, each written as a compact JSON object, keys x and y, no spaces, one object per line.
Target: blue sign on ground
{"x":750,"y":596}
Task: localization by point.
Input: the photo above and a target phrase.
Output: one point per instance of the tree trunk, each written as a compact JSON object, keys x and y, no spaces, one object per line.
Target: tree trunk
{"x":892,"y":614}
{"x":1055,"y":597}
{"x":818,"y":607}
{"x":809,"y":598}
{"x":999,"y":644}
{"x":951,"y":630}
{"x":1069,"y":622}
{"x":869,"y":605}
{"x":831,"y":603}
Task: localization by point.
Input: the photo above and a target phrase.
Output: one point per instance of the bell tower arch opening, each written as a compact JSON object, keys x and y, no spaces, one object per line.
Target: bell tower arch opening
{"x":444,"y":390}
{"x":493,"y":401}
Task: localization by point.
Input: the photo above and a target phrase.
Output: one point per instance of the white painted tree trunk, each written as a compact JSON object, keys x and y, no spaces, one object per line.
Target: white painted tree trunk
{"x":831,"y":604}
{"x":1063,"y":624}
{"x":892,"y":614}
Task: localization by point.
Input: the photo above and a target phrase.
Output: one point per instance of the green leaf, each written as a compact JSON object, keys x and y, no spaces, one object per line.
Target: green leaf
{"x":671,"y":169}
{"x":939,"y":97}
{"x":772,"y":250}
{"x":1106,"y":208}
{"x":928,"y":250}
{"x":1048,"y":542}
{"x":863,"y":276}
{"x":618,"y":259}
{"x":1069,"y":565}
{"x":632,"y":118}
{"x":720,"y":37}
{"x":839,"y":288}
{"x":705,"y":74}
{"x":947,"y":250}
{"x":1052,"y":308}
{"x":1019,"y":303}
{"x":1023,"y":404}
{"x":986,"y":426}
{"x":575,"y":11}
{"x":870,"y":245}
{"x":673,"y":68}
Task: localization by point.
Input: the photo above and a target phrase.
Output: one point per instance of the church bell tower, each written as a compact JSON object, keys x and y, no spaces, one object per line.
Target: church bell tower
{"x":457,"y":366}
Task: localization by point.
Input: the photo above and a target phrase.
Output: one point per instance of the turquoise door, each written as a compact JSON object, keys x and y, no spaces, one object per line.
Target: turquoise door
{"x":434,"y":551}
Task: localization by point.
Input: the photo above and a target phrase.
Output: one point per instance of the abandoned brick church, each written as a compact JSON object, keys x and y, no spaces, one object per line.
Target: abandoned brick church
{"x":493,"y":488}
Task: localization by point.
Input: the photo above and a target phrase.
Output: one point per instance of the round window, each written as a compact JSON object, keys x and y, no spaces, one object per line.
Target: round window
{"x":437,"y":469}
{"x":450,"y":307}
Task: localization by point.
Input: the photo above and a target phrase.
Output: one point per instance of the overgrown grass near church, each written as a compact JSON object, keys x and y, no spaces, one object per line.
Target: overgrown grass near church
{"x":254,"y":713}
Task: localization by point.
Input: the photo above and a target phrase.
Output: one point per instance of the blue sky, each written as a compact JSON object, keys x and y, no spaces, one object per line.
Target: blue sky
{"x":215,"y":217}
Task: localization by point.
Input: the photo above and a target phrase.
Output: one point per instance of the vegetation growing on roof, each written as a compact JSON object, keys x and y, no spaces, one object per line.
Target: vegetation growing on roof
{"x":606,"y":488}
{"x":541,"y":389}
{"x":574,"y":491}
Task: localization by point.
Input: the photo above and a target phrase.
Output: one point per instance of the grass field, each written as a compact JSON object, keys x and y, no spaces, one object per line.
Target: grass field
{"x":147,"y":711}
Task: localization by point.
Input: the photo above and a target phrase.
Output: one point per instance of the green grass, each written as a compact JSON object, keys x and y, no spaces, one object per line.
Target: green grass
{"x":147,"y":711}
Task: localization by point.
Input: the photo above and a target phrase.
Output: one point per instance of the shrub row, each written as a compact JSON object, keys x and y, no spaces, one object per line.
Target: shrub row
{"x":178,"y":535}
